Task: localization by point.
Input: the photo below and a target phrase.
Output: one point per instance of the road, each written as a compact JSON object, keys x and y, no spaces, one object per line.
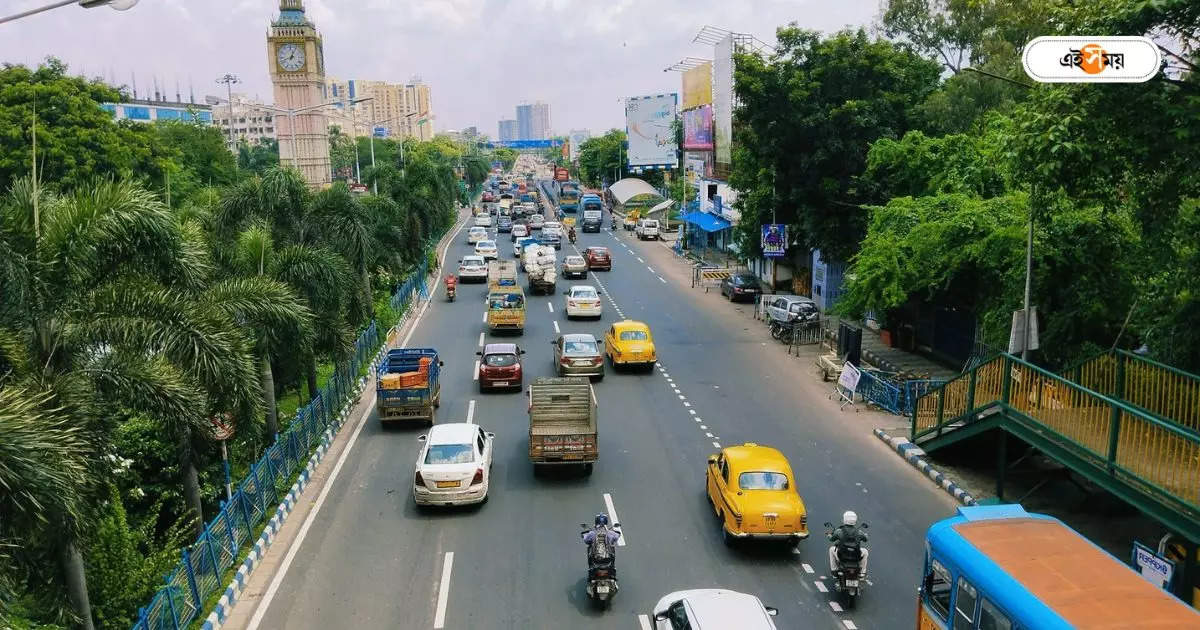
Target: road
{"x":371,"y":560}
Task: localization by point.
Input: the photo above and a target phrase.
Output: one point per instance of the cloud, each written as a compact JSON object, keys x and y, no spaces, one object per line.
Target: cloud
{"x":480,"y":57}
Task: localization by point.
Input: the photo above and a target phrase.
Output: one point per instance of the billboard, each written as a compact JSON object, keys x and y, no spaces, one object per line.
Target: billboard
{"x":723,"y":102}
{"x":648,"y":125}
{"x":697,"y":86}
{"x":577,"y":138}
{"x":774,"y":240}
{"x":697,"y":128}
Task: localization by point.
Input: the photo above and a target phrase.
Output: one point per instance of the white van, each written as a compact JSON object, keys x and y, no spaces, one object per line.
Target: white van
{"x":647,"y":229}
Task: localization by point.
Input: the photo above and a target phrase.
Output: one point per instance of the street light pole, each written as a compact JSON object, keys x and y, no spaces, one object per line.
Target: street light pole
{"x":229,"y":80}
{"x":119,"y":5}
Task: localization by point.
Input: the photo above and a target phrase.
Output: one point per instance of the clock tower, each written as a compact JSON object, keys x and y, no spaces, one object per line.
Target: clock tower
{"x":296,"y":58}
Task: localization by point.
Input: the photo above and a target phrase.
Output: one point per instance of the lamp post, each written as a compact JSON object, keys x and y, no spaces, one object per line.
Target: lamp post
{"x":229,"y":80}
{"x":291,"y":114}
{"x":117,"y":5}
{"x":354,"y":125}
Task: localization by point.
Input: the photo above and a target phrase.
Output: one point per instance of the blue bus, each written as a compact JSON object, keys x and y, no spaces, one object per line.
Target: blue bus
{"x":998,"y":567}
{"x":568,"y":196}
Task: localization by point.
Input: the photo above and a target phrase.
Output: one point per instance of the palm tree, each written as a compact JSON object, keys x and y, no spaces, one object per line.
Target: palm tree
{"x":103,"y":320}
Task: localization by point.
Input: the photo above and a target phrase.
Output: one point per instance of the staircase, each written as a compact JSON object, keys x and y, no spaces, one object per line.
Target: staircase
{"x":1128,"y":424}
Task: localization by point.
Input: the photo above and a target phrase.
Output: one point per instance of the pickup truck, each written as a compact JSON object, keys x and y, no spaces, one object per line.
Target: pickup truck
{"x":407,"y":386}
{"x":562,"y":422}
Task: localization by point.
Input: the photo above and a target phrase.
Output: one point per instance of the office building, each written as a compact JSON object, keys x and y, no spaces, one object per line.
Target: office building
{"x":533,"y":121}
{"x":508,"y":130}
{"x":404,"y":110}
{"x":251,"y":122}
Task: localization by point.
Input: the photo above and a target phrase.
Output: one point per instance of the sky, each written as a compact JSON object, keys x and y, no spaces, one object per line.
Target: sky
{"x":480,"y":57}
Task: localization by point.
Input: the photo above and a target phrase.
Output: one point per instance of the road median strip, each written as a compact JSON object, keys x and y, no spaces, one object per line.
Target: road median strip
{"x":914,"y":455}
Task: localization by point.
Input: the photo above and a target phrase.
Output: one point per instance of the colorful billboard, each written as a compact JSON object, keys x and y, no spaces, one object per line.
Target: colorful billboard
{"x":723,"y":102}
{"x":648,"y":125}
{"x":774,"y":240}
{"x":697,"y":128}
{"x":697,"y":86}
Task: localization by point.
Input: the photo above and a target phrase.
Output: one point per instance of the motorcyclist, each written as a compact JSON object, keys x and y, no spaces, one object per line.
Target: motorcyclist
{"x":571,"y":233}
{"x":851,"y":536}
{"x":602,"y":528}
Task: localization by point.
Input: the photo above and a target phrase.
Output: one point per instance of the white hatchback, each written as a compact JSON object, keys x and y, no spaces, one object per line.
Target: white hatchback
{"x":476,"y":234}
{"x":583,"y":301}
{"x":712,"y":608}
{"x":487,"y":249}
{"x":483,"y":220}
{"x":536,"y":221}
{"x":472,"y":268}
{"x":454,"y":466}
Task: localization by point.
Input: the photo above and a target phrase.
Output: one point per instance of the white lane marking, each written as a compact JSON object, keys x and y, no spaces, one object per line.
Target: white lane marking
{"x":716,"y":445}
{"x":281,"y":573}
{"x":612,"y":517}
{"x":692,"y":411}
{"x":807,"y":568}
{"x":471,"y":412}
{"x":849,"y":624}
{"x":707,"y":434}
{"x":696,"y":419}
{"x":650,"y":268}
{"x":550,"y":306}
{"x":439,"y":618}
{"x":835,"y":606}
{"x":476,"y":377}
{"x":556,"y":325}
{"x":480,"y":340}
{"x":644,"y":622}
{"x":640,"y":260}
{"x":687,"y":404}
{"x":660,"y":278}
{"x":682,"y":397}
{"x":485,"y":317}
{"x":703,"y":427}
{"x":821,"y":586}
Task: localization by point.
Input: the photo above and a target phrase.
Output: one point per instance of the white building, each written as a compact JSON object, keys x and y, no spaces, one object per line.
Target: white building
{"x":251,"y":121}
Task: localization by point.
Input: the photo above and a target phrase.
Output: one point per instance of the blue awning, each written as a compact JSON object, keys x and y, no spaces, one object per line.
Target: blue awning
{"x":706,"y":221}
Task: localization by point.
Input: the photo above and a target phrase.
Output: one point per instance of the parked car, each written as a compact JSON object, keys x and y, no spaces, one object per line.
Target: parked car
{"x":598,"y":258}
{"x":740,"y":286}
{"x":578,"y":354}
{"x":647,"y":229}
{"x":483,"y":220}
{"x":500,"y":367}
{"x":753,"y":491}
{"x":536,"y":221}
{"x":712,"y":608}
{"x":519,"y":230}
{"x":476,"y":234}
{"x":574,"y":267}
{"x":487,"y":249}
{"x":583,"y":301}
{"x":454,"y":466}
{"x":629,"y":342}
{"x":472,"y":269}
{"x":790,"y":307}
{"x":504,"y":223}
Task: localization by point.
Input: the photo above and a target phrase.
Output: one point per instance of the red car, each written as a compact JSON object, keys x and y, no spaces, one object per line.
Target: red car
{"x":500,"y":367}
{"x":598,"y":258}
{"x":488,"y":197}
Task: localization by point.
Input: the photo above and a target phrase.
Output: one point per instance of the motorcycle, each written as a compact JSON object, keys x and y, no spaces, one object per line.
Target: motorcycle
{"x":602,"y":570}
{"x":571,"y":236}
{"x":849,"y":568}
{"x":451,"y":286}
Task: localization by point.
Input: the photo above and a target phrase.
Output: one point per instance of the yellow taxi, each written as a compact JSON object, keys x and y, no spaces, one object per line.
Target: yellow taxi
{"x":628,"y":342}
{"x":753,"y":492}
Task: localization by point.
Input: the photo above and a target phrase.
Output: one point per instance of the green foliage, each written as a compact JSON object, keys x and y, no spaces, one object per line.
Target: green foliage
{"x":258,"y":157}
{"x":918,"y":165}
{"x":200,"y":157}
{"x":601,"y":159}
{"x":507,"y":157}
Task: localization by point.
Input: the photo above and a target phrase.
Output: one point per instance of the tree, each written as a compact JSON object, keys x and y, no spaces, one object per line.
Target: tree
{"x":807,"y":117}
{"x":601,"y":158}
{"x":200,"y":157}
{"x":507,"y":157}
{"x":258,"y":157}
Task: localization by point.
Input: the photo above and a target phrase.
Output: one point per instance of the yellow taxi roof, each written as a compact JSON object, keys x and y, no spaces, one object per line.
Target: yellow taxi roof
{"x":629,"y":324}
{"x":753,"y":456}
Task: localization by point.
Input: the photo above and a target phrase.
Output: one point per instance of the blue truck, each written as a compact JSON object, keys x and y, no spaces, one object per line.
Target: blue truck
{"x":407,"y":387}
{"x":568,"y":196}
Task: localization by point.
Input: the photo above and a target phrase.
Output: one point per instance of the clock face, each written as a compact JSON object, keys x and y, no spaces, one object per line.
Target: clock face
{"x":290,"y":57}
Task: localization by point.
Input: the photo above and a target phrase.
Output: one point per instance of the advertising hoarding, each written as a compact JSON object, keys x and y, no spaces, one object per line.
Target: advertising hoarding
{"x":697,"y":128}
{"x":648,"y":121}
{"x":723,"y":101}
{"x":774,"y":240}
{"x":526,"y":144}
{"x":697,"y":86}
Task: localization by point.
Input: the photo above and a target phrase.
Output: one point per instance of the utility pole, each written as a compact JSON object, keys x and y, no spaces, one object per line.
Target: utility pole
{"x":37,"y":226}
{"x":229,"y":80}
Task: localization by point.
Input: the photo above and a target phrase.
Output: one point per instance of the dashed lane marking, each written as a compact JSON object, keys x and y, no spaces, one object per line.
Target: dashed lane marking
{"x":476,"y":378}
{"x":471,"y":412}
{"x":835,"y":606}
{"x":556,"y":326}
{"x":480,"y":340}
{"x":807,"y":568}
{"x":485,"y":317}
{"x":439,"y":618}
{"x":650,"y":268}
{"x":703,"y":427}
{"x":716,"y":445}
{"x":709,"y":434}
{"x":660,"y":278}
{"x":612,"y":516}
{"x":644,"y":622}
{"x":640,"y":260}
{"x":849,"y":624}
{"x":821,"y":586}
{"x":550,"y":306}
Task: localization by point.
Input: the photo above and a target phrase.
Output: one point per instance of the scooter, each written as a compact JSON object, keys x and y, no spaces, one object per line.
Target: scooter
{"x":451,"y":286}
{"x":602,"y":571}
{"x":849,"y":570}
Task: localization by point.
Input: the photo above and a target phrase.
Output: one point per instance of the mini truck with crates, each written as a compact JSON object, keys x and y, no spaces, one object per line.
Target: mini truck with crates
{"x":407,"y":386}
{"x":562,"y":422}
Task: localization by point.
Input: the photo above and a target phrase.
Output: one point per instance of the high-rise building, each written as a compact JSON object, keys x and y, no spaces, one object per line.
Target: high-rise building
{"x":403,"y":109}
{"x":533,"y":121}
{"x":296,"y":58}
{"x":508,"y":130}
{"x":420,"y":103}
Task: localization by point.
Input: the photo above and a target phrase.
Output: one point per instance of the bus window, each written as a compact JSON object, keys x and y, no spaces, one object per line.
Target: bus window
{"x":990,"y":617}
{"x":964,"y":605}
{"x":937,"y":589}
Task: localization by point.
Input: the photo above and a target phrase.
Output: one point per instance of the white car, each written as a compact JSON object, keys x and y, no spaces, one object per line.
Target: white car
{"x":472,"y":268}
{"x":536,"y":221}
{"x":454,"y":466}
{"x":529,"y":207}
{"x":552,"y":227}
{"x":647,"y":229}
{"x":476,"y":234}
{"x":519,"y":230}
{"x":712,"y":608}
{"x":483,"y":220}
{"x":487,"y":249}
{"x":583,"y":301}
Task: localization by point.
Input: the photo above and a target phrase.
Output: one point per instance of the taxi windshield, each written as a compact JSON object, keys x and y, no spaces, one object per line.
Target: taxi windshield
{"x":634,"y":335}
{"x":762,"y":481}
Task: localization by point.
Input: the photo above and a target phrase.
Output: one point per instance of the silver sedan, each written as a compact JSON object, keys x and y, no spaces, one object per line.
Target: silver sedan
{"x":578,"y":354}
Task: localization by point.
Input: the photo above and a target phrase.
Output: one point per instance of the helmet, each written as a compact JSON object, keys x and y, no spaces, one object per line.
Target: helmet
{"x":849,"y":518}
{"x":602,"y":519}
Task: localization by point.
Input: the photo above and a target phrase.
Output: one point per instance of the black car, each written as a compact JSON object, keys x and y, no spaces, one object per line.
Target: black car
{"x":592,"y":224}
{"x":504,"y":223}
{"x":741,"y":286}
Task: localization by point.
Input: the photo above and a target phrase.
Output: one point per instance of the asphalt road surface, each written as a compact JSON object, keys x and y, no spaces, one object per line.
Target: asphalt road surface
{"x":371,"y":560}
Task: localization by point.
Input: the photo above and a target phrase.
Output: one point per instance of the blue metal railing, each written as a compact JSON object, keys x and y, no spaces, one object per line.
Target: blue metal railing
{"x":202,"y":565}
